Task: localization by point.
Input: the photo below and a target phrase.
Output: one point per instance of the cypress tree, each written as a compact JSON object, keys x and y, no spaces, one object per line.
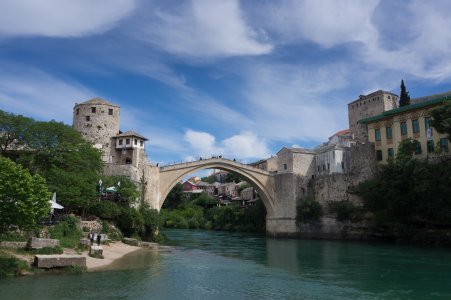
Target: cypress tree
{"x":404,"y":98}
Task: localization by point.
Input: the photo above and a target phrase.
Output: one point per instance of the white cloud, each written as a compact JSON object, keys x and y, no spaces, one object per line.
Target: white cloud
{"x":202,"y":143}
{"x":327,"y":23}
{"x":241,"y":146}
{"x":246,"y":145}
{"x":61,"y":18}
{"x":201,"y":28}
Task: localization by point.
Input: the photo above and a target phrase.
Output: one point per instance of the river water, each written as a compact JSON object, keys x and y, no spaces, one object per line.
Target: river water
{"x":222,"y":265}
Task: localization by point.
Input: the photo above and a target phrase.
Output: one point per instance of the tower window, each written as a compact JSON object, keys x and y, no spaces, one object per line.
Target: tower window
{"x":141,"y":143}
{"x":285,"y":166}
{"x":78,"y":111}
{"x":120,"y":141}
{"x":127,"y":141}
{"x":93,"y":110}
{"x":110,"y":111}
{"x":136,"y":142}
{"x":88,"y":118}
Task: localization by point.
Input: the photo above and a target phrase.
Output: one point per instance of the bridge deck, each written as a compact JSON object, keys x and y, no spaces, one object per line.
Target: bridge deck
{"x":214,"y":160}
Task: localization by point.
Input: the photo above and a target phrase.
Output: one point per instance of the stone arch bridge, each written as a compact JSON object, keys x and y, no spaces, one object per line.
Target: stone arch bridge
{"x":279,"y":216}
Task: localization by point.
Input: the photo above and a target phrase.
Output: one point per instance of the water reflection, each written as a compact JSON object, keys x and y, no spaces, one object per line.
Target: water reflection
{"x":220,"y":265}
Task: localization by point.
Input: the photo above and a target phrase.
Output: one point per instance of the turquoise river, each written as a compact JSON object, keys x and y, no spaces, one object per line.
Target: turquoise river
{"x":222,"y":265}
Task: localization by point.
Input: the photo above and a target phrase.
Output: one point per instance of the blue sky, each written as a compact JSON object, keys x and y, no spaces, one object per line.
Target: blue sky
{"x":237,"y":78}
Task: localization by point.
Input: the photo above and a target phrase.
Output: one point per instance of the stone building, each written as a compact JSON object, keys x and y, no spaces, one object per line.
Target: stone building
{"x":98,"y":121}
{"x":333,"y":157}
{"x":367,"y":106}
{"x":123,"y":153}
{"x":413,"y":121}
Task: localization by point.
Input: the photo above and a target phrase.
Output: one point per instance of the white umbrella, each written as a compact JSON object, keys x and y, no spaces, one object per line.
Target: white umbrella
{"x":54,"y":204}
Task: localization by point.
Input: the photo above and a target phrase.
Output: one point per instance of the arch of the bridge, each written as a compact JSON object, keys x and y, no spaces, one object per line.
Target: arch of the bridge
{"x":249,"y":173}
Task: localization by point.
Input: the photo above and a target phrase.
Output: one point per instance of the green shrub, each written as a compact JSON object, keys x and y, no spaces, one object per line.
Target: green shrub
{"x":308,"y":210}
{"x":12,"y":236}
{"x":106,"y":210}
{"x":344,"y":210}
{"x":67,"y":232}
{"x":11,"y":266}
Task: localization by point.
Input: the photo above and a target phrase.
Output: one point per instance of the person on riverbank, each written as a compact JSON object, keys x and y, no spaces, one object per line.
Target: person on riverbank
{"x":91,"y":237}
{"x":99,"y":237}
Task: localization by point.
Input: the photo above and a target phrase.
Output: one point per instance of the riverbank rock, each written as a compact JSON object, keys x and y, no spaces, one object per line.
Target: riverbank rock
{"x":58,"y":261}
{"x":13,"y":245}
{"x":85,"y":243}
{"x":37,"y":243}
{"x":130,"y":241}
{"x":96,"y":251}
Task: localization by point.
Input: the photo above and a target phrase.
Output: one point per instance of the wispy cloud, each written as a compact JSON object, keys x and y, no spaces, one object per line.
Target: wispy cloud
{"x":61,"y":18}
{"x":37,"y":94}
{"x":200,"y":28}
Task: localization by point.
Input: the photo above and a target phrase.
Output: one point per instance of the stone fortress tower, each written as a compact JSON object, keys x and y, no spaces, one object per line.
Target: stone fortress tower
{"x":98,"y":121}
{"x":366,"y":106}
{"x":123,"y":153}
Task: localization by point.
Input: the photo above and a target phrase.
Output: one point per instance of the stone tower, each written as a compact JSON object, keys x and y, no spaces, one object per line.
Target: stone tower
{"x":98,"y":121}
{"x":368,"y":106}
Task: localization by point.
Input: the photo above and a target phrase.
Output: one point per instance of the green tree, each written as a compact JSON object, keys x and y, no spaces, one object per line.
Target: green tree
{"x":406,"y":149}
{"x":127,"y":191}
{"x":12,"y":131}
{"x":70,"y":165}
{"x":441,"y":119}
{"x":24,"y":199}
{"x":404,"y":98}
{"x":210,"y":179}
{"x":308,"y":210}
{"x":231,"y":177}
{"x":175,"y":197}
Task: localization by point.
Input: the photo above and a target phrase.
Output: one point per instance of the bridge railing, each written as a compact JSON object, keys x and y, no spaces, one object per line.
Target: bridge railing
{"x":202,"y":159}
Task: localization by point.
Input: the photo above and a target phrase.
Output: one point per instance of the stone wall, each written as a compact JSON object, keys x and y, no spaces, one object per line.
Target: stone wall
{"x":129,"y":171}
{"x":97,"y":127}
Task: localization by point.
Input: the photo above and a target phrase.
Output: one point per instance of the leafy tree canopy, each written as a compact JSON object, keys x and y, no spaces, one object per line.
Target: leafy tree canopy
{"x":57,"y":152}
{"x":12,"y":131}
{"x":441,"y":119}
{"x":24,"y":199}
{"x":406,"y":149}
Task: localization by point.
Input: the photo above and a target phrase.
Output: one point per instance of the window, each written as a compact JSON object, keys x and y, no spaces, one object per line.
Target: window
{"x":388,"y":133}
{"x":110,"y":111}
{"x":444,"y":145}
{"x":93,"y":110}
{"x":319,"y":169}
{"x":324,"y":168}
{"x":418,"y":148}
{"x":377,"y":134}
{"x":127,"y":141}
{"x":343,"y":165}
{"x":78,"y":111}
{"x":428,"y":126}
{"x":88,"y":118}
{"x":136,"y":142}
{"x":141,"y":143}
{"x":415,"y":126}
{"x":378,"y":155}
{"x":390,"y":153}
{"x":430,"y":146}
{"x":120,"y":141}
{"x":328,"y":166}
{"x":403,"y":128}
{"x":285,"y":166}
